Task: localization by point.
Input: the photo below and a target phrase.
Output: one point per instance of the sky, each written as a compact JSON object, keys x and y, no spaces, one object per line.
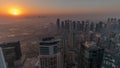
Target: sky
{"x":42,"y":7}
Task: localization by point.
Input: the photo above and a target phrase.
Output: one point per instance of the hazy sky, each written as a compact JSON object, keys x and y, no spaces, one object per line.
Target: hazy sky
{"x":62,"y":6}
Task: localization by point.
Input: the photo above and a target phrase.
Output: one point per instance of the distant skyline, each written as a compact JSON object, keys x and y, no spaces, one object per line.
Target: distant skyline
{"x":44,"y":7}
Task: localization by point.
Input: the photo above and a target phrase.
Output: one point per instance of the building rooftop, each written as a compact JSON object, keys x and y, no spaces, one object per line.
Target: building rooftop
{"x":8,"y":42}
{"x":94,"y":48}
{"x":49,"y":41}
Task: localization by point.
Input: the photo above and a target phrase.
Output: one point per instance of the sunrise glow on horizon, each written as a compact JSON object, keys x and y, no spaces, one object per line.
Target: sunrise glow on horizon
{"x":41,"y":7}
{"x":14,"y":11}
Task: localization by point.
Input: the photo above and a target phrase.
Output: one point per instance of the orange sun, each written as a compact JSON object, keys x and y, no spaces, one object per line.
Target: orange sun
{"x":15,"y":12}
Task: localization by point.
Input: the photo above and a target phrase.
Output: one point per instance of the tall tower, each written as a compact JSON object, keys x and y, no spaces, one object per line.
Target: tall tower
{"x":50,"y":53}
{"x":95,"y":58}
{"x":58,"y":23}
{"x":2,"y":60}
{"x":12,"y":52}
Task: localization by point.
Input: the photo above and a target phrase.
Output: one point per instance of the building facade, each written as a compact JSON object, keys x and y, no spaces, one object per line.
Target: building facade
{"x":12,"y":52}
{"x":95,"y":57}
{"x":50,"y":53}
{"x":2,"y":60}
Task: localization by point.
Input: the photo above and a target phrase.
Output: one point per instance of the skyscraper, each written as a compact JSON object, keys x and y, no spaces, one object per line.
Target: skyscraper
{"x":78,"y":25}
{"x":12,"y":52}
{"x":15,"y":45}
{"x":109,"y":60}
{"x":92,"y":26}
{"x":58,"y":23}
{"x":50,"y":53}
{"x":2,"y":60}
{"x":95,"y":57}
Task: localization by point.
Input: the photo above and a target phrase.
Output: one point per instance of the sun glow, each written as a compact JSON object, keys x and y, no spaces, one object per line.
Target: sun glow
{"x":15,"y":12}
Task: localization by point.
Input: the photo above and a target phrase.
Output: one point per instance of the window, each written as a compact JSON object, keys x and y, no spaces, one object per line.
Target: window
{"x":44,"y":50}
{"x":55,"y":49}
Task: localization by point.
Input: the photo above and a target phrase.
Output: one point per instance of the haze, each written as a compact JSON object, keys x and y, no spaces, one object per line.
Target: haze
{"x":32,"y":7}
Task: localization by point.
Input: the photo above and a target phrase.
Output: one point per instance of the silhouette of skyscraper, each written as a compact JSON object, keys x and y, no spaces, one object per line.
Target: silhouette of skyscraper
{"x":92,"y":26}
{"x":58,"y":23}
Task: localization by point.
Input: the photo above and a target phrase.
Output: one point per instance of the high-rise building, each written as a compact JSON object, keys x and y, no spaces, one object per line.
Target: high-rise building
{"x":82,"y":58}
{"x":50,"y":53}
{"x":109,"y":60}
{"x":67,"y":25}
{"x":82,"y":25}
{"x":15,"y":45}
{"x":74,"y":25}
{"x":86,"y":28}
{"x":78,"y":25}
{"x":92,"y":26}
{"x":97,"y":40}
{"x":12,"y":52}
{"x":95,"y":57}
{"x":62,"y":25}
{"x":90,"y":36}
{"x":2,"y":60}
{"x":58,"y":23}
